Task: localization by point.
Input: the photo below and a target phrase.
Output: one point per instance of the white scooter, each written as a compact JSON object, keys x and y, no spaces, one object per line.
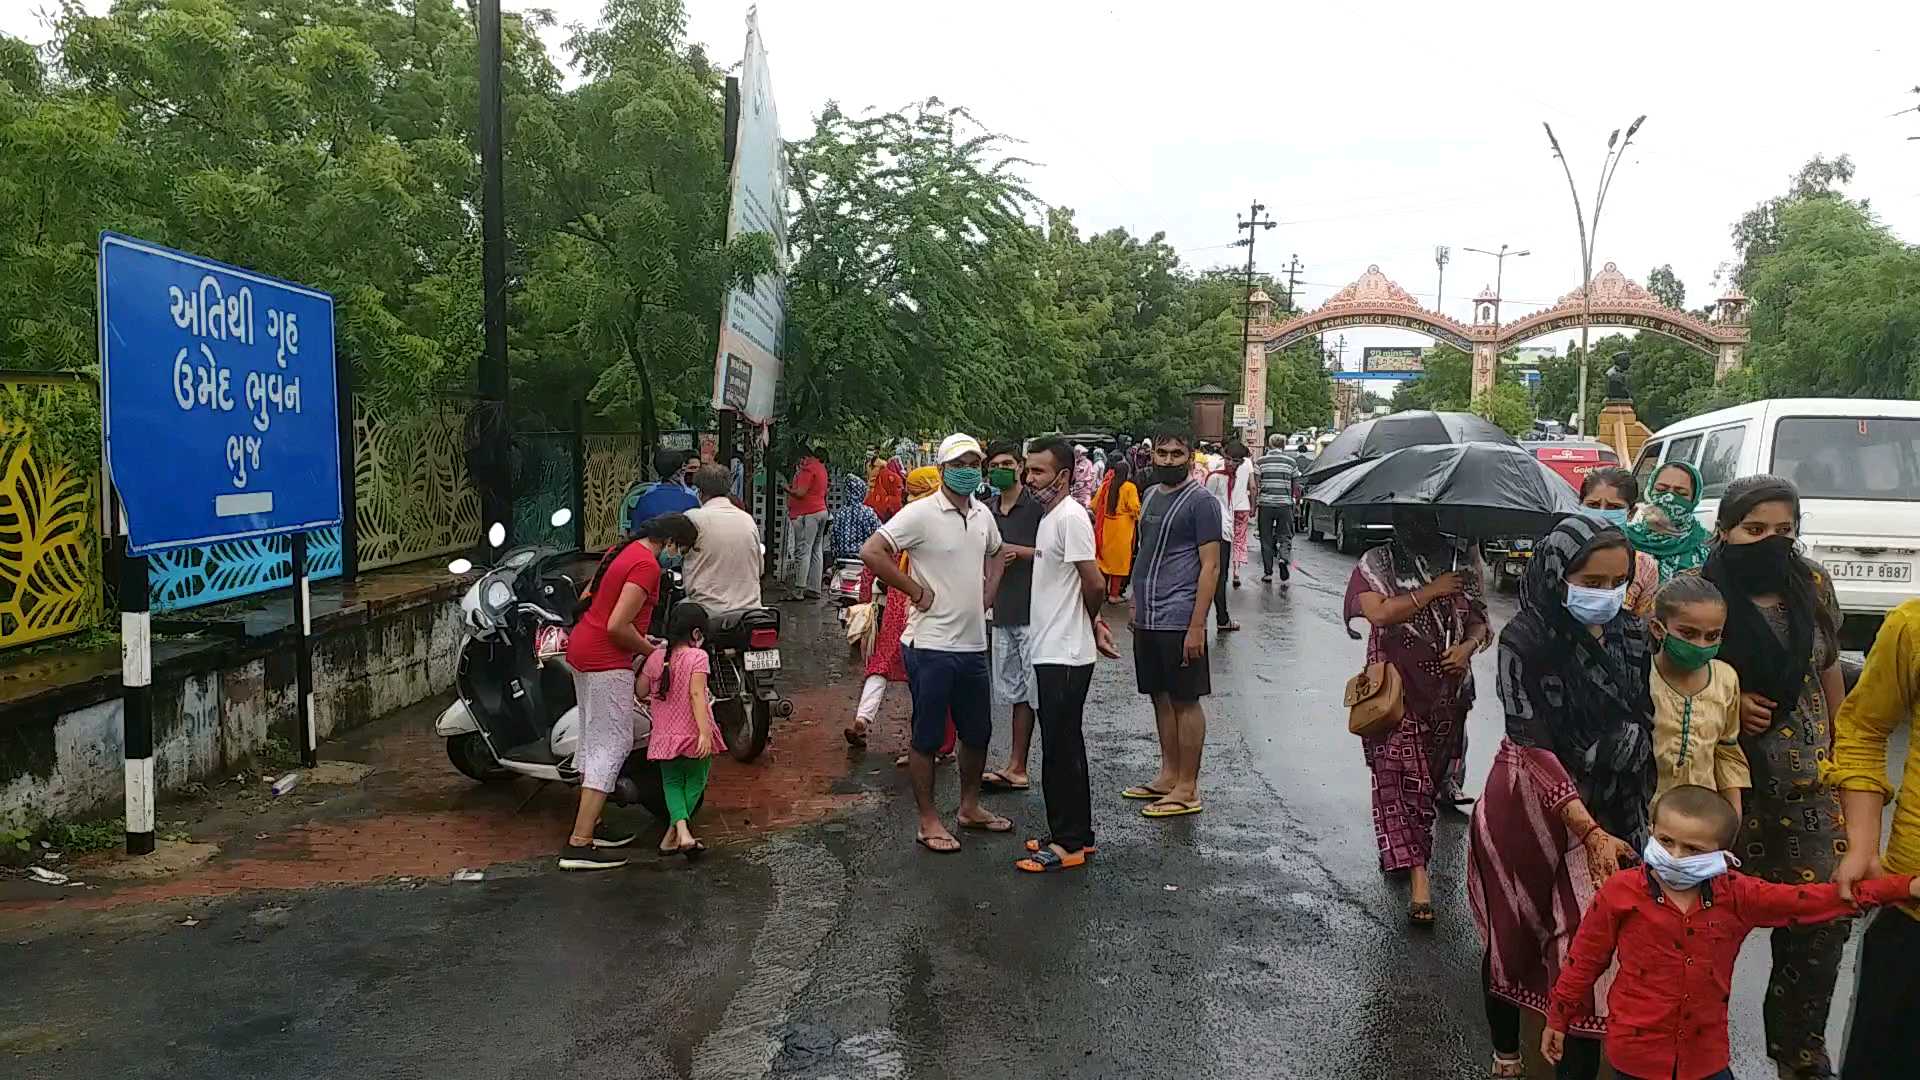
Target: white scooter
{"x":516,"y":714}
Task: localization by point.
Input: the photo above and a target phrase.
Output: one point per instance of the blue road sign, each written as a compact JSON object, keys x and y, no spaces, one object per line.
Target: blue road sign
{"x":221,"y":418}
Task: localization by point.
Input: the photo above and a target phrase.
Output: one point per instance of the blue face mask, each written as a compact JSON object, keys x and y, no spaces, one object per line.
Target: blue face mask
{"x":1616,"y":517}
{"x":1595,"y":607}
{"x":1690,"y":872}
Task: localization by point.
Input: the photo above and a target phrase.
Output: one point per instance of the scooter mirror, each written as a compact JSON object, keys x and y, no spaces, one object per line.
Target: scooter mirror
{"x":561,"y":517}
{"x":497,"y":535}
{"x":459,"y":566}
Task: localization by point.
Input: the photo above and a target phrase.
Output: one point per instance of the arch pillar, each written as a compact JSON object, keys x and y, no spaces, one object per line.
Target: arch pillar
{"x":1732,"y":355}
{"x":1486,"y":361}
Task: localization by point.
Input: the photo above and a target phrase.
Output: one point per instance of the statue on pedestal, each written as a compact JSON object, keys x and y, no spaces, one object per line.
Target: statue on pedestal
{"x":1617,"y":389}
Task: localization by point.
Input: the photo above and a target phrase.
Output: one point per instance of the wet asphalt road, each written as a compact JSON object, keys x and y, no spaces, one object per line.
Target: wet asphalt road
{"x":1257,"y":939}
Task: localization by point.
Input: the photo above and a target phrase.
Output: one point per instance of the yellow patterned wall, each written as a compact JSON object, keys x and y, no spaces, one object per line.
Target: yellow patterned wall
{"x":412,"y":496}
{"x":613,"y":463}
{"x":49,"y":544}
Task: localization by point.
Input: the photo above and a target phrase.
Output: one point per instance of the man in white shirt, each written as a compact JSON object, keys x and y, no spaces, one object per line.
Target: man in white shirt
{"x":723,"y":570}
{"x":1066,"y":633}
{"x":947,"y":539}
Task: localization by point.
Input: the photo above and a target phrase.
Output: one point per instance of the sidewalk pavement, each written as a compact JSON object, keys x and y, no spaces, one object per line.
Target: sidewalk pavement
{"x":387,"y":805}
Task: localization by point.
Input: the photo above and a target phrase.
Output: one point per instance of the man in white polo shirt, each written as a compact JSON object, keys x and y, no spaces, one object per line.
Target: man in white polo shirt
{"x":947,"y":540}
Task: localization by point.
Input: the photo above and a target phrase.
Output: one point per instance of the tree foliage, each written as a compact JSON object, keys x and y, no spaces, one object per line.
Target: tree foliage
{"x":1507,"y":406}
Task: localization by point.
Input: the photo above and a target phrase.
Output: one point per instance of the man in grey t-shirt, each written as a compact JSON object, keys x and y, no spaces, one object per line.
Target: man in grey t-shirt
{"x":1174,"y":578}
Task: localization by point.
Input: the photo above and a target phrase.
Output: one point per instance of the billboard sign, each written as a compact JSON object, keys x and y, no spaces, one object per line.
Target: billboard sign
{"x":1391,"y":358}
{"x":752,"y":321}
{"x":221,"y":420}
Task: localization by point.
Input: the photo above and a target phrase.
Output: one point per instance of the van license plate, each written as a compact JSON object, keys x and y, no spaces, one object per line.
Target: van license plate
{"x":1860,"y":570}
{"x":763,"y":660}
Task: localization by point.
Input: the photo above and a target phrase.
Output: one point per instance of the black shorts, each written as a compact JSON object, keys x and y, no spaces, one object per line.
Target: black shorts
{"x":1160,"y":667}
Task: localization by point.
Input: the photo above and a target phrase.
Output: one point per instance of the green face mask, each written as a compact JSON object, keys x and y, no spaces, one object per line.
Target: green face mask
{"x":1676,"y":507}
{"x":1002,"y":479}
{"x":1685,"y":654}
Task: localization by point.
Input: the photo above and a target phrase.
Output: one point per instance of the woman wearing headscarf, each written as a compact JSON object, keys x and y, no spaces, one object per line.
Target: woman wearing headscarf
{"x":1782,"y":637}
{"x":1085,"y":479}
{"x":1566,"y":800}
{"x":1421,"y":594}
{"x":889,"y":492}
{"x":1116,"y":516}
{"x":1665,"y":527}
{"x":853,"y":522}
{"x":887,"y":664}
{"x":1609,"y":495}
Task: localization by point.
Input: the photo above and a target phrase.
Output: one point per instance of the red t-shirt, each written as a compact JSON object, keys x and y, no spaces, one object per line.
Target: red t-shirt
{"x":1667,"y":1012}
{"x":589,"y":647}
{"x":810,"y":479}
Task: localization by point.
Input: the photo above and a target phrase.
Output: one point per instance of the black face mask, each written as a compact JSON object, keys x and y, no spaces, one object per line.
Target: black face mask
{"x":1761,"y":565}
{"x":1170,"y":474}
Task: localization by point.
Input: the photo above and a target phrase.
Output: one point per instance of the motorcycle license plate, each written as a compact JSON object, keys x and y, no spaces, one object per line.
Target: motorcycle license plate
{"x":763,"y":660}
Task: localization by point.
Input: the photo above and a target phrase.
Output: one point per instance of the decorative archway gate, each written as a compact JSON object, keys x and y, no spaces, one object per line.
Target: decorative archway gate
{"x":1613,"y":300}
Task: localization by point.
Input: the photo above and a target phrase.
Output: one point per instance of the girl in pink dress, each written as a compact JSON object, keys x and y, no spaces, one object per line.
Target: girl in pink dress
{"x":684,"y":737}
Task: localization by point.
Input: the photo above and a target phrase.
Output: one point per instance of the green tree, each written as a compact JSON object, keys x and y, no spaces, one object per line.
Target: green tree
{"x":1666,"y":287}
{"x":620,"y":195}
{"x":1298,"y":389}
{"x":1507,"y":406}
{"x":1445,"y":384}
{"x":1758,"y":232}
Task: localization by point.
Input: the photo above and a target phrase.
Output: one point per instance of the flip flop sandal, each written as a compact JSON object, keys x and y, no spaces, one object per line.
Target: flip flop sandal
{"x":1173,"y":808}
{"x":928,"y":842}
{"x":1035,"y":845}
{"x":993,"y":825}
{"x":694,"y":850}
{"x":1142,"y":791}
{"x":1047,"y":860}
{"x":1508,"y":1068}
{"x":855,"y":737}
{"x":996,"y":780}
{"x":1420,"y":913}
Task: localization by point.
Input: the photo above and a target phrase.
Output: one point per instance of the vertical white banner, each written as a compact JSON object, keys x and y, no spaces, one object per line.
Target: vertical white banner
{"x":747,"y":368}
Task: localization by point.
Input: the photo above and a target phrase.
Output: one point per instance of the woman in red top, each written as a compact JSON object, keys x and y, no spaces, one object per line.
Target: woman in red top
{"x":602,"y":650}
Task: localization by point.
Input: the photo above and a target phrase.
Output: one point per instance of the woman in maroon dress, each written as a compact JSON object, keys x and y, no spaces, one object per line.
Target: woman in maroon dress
{"x":1421,"y":594}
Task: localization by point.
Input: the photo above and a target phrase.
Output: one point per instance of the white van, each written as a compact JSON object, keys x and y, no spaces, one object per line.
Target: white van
{"x":1856,"y":462}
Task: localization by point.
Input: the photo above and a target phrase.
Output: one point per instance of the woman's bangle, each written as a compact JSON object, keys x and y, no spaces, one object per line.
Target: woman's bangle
{"x":1592,"y":828}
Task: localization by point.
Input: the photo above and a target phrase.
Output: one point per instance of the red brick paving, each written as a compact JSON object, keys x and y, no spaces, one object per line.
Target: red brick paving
{"x":415,"y":817}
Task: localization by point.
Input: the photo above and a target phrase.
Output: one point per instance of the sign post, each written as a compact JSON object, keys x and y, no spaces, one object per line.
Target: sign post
{"x":220,"y":420}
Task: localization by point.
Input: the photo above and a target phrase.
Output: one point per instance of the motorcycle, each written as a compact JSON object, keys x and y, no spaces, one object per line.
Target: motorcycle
{"x":743,"y":657}
{"x":843,"y":586}
{"x":516,"y":714}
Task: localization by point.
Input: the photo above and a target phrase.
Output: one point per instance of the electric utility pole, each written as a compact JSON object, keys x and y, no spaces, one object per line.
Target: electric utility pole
{"x":1253,"y":368}
{"x":1293,"y":275}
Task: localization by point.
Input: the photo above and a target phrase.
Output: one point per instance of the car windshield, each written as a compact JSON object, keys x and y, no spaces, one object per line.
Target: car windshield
{"x":1849,"y":457}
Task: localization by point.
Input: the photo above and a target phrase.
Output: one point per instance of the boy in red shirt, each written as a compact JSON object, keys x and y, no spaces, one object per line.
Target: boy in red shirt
{"x":1677,"y":922}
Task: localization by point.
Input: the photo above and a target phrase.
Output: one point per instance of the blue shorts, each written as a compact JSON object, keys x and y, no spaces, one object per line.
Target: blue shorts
{"x":948,"y":684}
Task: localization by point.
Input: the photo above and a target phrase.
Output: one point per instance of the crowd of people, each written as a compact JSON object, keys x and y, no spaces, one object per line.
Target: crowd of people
{"x":995,"y":566}
{"x":1674,"y":708}
{"x":1673,"y":699}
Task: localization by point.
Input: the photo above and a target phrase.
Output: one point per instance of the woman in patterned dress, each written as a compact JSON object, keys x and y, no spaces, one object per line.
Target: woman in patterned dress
{"x":1782,"y":637}
{"x":1566,"y":799}
{"x":887,"y":664}
{"x":1421,"y":594}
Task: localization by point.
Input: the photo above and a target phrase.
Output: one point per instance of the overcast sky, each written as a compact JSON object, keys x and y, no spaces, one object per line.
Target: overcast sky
{"x":1374,"y":131}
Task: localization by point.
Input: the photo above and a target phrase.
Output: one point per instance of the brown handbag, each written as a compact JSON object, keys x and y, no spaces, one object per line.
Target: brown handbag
{"x":1375,"y":700}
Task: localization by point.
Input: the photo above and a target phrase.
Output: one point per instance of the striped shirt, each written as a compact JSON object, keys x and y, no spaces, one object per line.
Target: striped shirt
{"x":1277,"y":474}
{"x":1166,"y":573}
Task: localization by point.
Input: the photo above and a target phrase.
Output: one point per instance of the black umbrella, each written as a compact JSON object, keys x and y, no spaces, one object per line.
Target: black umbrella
{"x":1478,"y":489}
{"x":1417,"y":427}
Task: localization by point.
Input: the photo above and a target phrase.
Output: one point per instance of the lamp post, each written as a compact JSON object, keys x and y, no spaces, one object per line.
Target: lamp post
{"x":1616,"y":150}
{"x":1499,"y":274}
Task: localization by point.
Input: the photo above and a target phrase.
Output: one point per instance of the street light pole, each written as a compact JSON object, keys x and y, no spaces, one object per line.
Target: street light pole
{"x":1608,"y":166}
{"x":1499,"y":275}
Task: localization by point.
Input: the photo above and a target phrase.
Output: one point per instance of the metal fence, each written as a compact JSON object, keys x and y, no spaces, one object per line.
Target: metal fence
{"x":412,"y":499}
